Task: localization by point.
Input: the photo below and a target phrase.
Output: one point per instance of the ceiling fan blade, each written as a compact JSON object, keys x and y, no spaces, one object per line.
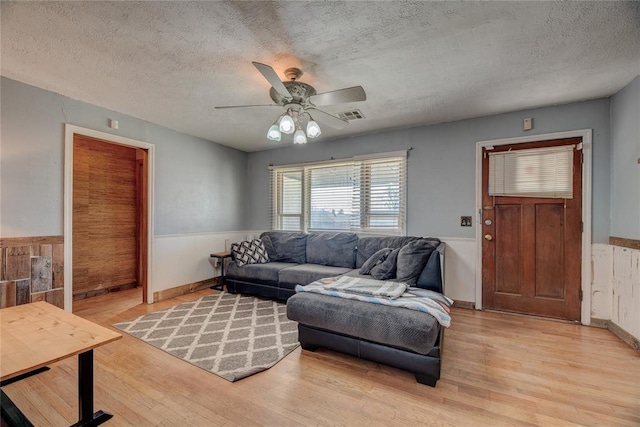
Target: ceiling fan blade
{"x":272,"y":78}
{"x":327,"y":119}
{"x":350,"y":94}
{"x":247,"y":106}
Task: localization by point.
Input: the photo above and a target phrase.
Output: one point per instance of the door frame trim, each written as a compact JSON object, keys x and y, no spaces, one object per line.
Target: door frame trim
{"x":71,"y":130}
{"x":586,"y":135}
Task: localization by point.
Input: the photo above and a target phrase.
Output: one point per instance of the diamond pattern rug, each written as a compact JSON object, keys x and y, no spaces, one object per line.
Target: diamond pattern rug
{"x":230,"y":335}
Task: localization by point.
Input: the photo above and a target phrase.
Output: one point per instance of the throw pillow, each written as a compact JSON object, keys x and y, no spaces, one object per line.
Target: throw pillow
{"x":375,"y":259}
{"x":412,"y":259}
{"x":249,"y":252}
{"x":386,"y":269}
{"x":431,"y":276}
{"x":285,"y":246}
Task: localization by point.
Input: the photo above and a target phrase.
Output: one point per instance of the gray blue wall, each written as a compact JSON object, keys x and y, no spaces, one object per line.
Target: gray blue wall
{"x":441,"y":174}
{"x":199,"y":185}
{"x":625,"y":170}
{"x":204,"y":187}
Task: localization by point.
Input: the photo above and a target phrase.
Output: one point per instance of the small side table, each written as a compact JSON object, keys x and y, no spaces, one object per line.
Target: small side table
{"x":220,"y":256}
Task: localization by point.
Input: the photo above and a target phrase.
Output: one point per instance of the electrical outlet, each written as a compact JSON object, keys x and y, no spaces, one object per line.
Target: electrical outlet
{"x":465,"y":221}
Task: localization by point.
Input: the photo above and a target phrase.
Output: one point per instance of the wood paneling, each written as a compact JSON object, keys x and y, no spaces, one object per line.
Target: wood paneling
{"x":55,"y":297}
{"x":17,"y":262}
{"x":23,"y":292}
{"x":497,"y":370}
{"x":57,"y":266}
{"x":105,"y":215}
{"x":41,"y":279}
{"x":7,"y":294}
{"x":625,"y":243}
{"x":45,"y":272}
{"x":28,"y":241}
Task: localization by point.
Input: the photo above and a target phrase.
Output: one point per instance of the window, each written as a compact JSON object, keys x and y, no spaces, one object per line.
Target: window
{"x":360,"y":194}
{"x":290,"y":195}
{"x":536,"y":172}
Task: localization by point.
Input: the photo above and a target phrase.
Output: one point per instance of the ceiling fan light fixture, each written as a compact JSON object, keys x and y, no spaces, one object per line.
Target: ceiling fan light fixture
{"x":287,"y":125}
{"x":313,"y":130}
{"x":274,"y":134}
{"x":299,"y":137}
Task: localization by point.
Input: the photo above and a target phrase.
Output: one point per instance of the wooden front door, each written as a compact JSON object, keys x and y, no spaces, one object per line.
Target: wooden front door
{"x":532,"y":246}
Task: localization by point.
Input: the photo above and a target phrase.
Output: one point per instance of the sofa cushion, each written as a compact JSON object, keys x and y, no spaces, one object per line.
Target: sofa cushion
{"x":386,"y":269}
{"x":332,"y":248}
{"x":374,"y":260}
{"x":397,"y":327}
{"x":431,"y":276}
{"x":369,"y":245}
{"x":262,"y":272}
{"x":285,"y":246}
{"x":249,"y":252}
{"x":306,"y":273}
{"x":412,"y":258}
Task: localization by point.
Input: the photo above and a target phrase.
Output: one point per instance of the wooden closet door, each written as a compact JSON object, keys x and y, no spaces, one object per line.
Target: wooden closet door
{"x":105,"y":219}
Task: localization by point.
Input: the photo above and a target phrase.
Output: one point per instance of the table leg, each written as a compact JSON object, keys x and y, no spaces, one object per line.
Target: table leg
{"x":11,"y":415}
{"x":220,"y":286}
{"x":85,"y":393}
{"x":222,"y":274}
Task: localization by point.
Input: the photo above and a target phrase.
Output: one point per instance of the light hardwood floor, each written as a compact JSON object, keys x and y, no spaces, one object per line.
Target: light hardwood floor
{"x":498,"y":370}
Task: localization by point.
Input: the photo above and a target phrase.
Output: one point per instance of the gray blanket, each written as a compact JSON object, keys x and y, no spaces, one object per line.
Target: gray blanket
{"x":363,"y":286}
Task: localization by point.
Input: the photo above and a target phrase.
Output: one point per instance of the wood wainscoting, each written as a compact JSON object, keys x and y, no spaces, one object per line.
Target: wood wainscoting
{"x":31,"y":269}
{"x":624,"y":243}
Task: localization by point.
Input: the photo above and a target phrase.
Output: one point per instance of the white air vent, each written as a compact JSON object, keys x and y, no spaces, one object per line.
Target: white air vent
{"x":351,"y":115}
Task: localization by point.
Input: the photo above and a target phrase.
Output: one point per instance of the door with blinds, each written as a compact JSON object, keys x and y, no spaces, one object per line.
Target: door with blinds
{"x":532,"y":228}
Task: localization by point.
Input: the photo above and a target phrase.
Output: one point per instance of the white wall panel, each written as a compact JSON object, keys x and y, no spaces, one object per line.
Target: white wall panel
{"x":601,"y":279}
{"x":626,"y":290}
{"x":460,"y":269}
{"x":184,"y":258}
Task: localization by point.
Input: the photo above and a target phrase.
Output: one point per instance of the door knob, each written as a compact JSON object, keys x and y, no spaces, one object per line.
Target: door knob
{"x":488,"y":237}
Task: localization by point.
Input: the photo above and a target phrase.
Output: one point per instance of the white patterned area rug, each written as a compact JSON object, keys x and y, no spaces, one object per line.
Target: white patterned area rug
{"x":230,"y":335}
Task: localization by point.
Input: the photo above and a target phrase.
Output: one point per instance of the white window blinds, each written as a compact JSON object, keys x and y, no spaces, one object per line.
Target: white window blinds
{"x":536,"y":172}
{"x":289,"y":205}
{"x":332,"y":190}
{"x":383,"y":186}
{"x":361,"y":194}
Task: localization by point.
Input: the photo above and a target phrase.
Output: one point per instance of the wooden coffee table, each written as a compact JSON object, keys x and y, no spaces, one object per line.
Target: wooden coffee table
{"x":38,"y":334}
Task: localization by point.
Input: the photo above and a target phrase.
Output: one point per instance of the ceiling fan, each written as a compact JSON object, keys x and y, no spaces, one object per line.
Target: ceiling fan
{"x":300,"y":101}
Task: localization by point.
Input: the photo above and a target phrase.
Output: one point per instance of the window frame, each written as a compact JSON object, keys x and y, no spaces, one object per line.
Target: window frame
{"x":363,"y":164}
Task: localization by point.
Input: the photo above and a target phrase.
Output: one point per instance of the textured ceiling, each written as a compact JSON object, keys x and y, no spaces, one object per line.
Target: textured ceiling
{"x":420,"y":63}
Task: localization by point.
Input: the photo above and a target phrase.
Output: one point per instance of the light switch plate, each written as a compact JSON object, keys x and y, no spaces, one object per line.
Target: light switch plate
{"x":465,"y":221}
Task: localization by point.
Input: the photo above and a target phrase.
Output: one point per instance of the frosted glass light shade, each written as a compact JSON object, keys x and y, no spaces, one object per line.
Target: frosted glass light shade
{"x":313,"y":130}
{"x":273,"y":134}
{"x":287,"y":125}
{"x":299,"y":137}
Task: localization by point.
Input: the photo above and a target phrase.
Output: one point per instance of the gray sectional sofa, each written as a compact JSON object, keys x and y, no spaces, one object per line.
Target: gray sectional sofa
{"x":406,"y":339}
